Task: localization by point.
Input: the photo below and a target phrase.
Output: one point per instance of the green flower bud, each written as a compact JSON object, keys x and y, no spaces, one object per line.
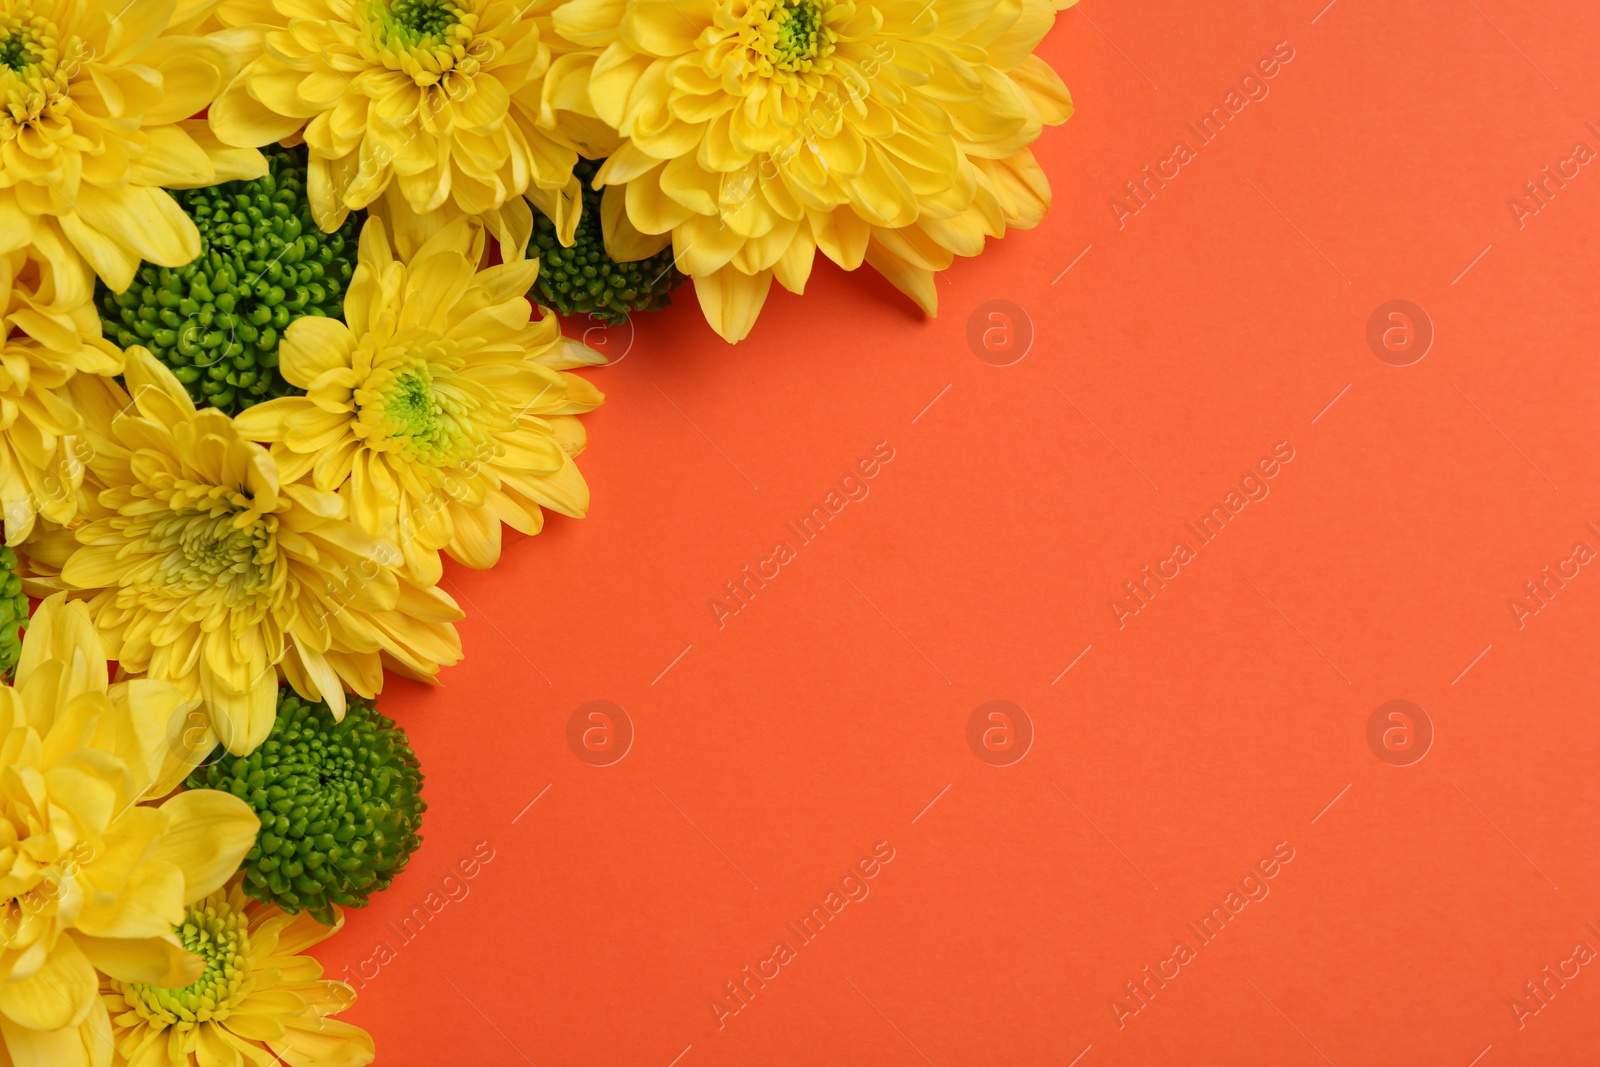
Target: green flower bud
{"x":260,"y":251}
{"x":584,"y":279}
{"x":340,"y":805}
{"x":13,"y":611}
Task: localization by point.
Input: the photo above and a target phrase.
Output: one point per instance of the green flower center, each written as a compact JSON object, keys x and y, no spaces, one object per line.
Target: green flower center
{"x":411,"y":406}
{"x":426,"y":39}
{"x":13,"y":611}
{"x":219,"y":935}
{"x":800,"y":35}
{"x":424,"y":18}
{"x":413,"y":403}
{"x":20,"y":46}
{"x":37,"y":61}
{"x":409,"y":24}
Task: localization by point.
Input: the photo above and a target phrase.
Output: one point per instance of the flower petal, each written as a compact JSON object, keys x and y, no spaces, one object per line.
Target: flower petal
{"x":158,"y":961}
{"x":210,"y":833}
{"x":59,"y":994}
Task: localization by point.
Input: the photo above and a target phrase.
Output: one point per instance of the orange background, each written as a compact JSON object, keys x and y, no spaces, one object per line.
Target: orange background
{"x":773,"y":753}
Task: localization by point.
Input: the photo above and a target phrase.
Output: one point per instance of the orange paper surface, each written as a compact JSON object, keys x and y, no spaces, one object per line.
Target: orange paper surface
{"x":1327,"y":318}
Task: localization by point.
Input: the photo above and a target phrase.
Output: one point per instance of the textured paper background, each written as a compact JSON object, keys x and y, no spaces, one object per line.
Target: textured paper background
{"x":771,"y":754}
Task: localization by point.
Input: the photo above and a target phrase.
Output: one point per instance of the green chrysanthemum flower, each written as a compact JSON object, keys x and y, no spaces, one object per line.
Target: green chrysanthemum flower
{"x":13,"y":611}
{"x":584,"y":279}
{"x":340,"y":805}
{"x":263,"y":263}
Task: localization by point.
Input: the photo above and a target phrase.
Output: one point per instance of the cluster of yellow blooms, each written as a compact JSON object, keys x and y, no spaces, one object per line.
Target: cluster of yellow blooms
{"x":215,"y":557}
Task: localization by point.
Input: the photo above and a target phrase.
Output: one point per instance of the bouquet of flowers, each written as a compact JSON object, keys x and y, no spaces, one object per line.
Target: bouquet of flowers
{"x":282,"y":284}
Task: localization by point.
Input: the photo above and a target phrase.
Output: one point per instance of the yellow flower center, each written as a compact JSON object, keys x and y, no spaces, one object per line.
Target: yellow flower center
{"x":219,"y":935}
{"x":37,"y":62}
{"x":424,"y":39}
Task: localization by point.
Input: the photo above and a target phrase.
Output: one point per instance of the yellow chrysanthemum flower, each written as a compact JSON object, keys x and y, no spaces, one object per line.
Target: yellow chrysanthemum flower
{"x":48,"y":332}
{"x":89,"y":877}
{"x":437,"y":408}
{"x":97,"y":97}
{"x":203,"y":567}
{"x":759,"y":131}
{"x":414,"y":106}
{"x":259,"y":1002}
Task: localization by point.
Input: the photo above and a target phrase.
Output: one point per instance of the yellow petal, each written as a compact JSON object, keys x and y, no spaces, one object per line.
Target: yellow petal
{"x":624,"y":241}
{"x":53,"y":1048}
{"x":238,"y":118}
{"x":152,"y":387}
{"x":114,"y":264}
{"x":793,"y":268}
{"x":331,"y":1044}
{"x":141,"y":220}
{"x":732,"y":300}
{"x":58,"y":994}
{"x":311,"y":346}
{"x":172,"y":160}
{"x":914,"y":281}
{"x":210,"y":833}
{"x":592,"y":23}
{"x":150,"y":905}
{"x":215,"y":1047}
{"x":1045,"y":89}
{"x":659,"y":27}
{"x":159,"y":961}
{"x":229,"y":163}
{"x":611,"y":82}
{"x":562,"y":206}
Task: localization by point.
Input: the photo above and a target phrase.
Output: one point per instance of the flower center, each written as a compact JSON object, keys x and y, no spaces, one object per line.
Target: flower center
{"x":799,"y":34}
{"x":37,"y":61}
{"x":424,"y":39}
{"x":411,"y":406}
{"x":423,"y":18}
{"x":412,"y":402}
{"x":784,"y":45}
{"x":219,"y":935}
{"x":210,"y":551}
{"x":19,"y":46}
